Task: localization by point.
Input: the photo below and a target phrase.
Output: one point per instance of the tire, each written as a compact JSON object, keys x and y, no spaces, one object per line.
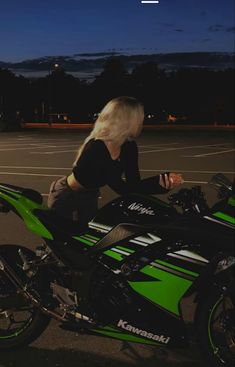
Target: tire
{"x":21,"y":325}
{"x":215,"y":329}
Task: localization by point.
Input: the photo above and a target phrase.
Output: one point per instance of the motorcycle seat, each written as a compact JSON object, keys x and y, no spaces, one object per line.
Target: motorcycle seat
{"x":28,"y":193}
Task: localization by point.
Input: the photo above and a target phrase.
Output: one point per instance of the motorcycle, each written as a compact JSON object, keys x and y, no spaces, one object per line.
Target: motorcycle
{"x":127,"y":275}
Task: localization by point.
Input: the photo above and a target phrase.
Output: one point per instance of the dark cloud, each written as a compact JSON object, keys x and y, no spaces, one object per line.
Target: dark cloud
{"x":178,"y":30}
{"x":220,"y":28}
{"x":230,"y":29}
{"x":206,"y":40}
{"x":97,"y":53}
{"x":216,"y":28}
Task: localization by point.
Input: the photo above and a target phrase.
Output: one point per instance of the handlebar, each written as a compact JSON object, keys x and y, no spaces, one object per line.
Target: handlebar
{"x":191,"y":201}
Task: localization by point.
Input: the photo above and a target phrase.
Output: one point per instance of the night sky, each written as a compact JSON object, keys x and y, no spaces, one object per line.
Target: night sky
{"x":32,"y":28}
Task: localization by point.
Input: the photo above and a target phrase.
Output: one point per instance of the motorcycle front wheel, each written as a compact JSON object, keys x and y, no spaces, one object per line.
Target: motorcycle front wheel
{"x":20,"y":321}
{"x":215,"y":328}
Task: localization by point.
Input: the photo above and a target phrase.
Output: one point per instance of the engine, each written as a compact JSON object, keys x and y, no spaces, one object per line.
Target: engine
{"x":109,"y":298}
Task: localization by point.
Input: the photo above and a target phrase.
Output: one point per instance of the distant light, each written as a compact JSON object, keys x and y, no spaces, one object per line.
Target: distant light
{"x":56,"y":65}
{"x":150,"y":2}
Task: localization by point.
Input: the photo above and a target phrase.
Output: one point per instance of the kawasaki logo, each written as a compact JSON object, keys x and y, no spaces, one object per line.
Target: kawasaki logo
{"x":141,"y":209}
{"x":160,"y":338}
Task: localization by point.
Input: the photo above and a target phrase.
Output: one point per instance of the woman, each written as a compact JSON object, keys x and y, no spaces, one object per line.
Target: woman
{"x":106,"y":154}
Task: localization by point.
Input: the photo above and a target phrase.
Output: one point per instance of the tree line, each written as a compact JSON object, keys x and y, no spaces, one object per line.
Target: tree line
{"x":189,"y":95}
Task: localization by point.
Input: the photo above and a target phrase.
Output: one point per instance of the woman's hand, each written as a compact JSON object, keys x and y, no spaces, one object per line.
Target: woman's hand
{"x":171,"y":180}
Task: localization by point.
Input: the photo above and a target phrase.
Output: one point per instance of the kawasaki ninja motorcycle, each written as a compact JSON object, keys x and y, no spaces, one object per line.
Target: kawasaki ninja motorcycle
{"x":128,"y":274}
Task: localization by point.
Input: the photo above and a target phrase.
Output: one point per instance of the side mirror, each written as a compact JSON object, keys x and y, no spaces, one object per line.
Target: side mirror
{"x":223,"y":185}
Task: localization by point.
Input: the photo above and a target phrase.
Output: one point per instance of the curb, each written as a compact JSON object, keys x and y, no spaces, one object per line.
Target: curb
{"x":89,"y":126}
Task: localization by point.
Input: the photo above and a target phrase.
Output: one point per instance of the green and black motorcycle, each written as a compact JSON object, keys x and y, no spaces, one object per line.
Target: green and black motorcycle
{"x":128,"y":274}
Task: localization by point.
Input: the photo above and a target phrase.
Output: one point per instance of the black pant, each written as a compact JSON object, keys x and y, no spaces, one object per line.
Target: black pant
{"x":79,"y":206}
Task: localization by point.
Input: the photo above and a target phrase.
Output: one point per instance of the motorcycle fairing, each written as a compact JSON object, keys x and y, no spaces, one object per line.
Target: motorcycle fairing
{"x":135,"y":209}
{"x":113,"y":332}
{"x":152,"y":290}
{"x":224,"y":211}
{"x":163,"y":288}
{"x":145,"y":316}
{"x":163,"y":281}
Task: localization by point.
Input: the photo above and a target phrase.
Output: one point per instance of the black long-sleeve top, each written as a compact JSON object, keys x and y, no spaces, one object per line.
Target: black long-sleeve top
{"x":95,"y":168}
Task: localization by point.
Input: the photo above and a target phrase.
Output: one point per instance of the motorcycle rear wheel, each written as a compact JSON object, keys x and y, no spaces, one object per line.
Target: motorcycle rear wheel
{"x":21,"y":323}
{"x":215,"y":329}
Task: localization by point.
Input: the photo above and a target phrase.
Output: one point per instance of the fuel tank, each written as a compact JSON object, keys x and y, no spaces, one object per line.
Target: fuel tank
{"x":136,"y":209}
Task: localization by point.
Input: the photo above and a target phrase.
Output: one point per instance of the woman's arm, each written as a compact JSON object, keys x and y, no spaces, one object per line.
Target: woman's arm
{"x":133,"y":181}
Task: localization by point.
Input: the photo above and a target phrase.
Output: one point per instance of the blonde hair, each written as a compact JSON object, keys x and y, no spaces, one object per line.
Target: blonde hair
{"x":120,"y":119}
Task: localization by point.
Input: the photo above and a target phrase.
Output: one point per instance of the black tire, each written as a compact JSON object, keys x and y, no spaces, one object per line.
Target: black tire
{"x":215,"y":328}
{"x":21,"y":325}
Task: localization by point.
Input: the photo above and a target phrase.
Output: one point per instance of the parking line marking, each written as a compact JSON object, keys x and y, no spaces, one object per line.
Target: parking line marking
{"x":68,"y":151}
{"x":68,"y":145}
{"x":27,"y":148}
{"x":25,"y":139}
{"x":141,"y":170}
{"x":141,"y":152}
{"x":206,"y":154}
{"x":155,"y":145}
{"x":5,"y":145}
{"x":180,"y":148}
{"x":37,"y":167}
{"x":186,"y":171}
{"x":60,"y":151}
{"x":28,"y":174}
{"x":57,"y":152}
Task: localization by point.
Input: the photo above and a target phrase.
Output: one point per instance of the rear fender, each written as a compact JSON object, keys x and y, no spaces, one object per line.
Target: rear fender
{"x":24,"y":208}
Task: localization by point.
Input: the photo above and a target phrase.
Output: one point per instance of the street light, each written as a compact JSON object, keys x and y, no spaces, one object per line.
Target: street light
{"x":53,"y":68}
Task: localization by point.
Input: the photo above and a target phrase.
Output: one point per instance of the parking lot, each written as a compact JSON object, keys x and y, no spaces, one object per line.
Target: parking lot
{"x":34,"y":159}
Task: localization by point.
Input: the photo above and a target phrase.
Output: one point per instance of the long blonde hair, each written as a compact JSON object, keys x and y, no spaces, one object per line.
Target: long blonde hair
{"x":120,"y":119}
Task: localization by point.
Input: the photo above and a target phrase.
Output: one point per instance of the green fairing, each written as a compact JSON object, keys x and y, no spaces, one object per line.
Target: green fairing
{"x":93,"y":237}
{"x":166,"y":292}
{"x":84,"y":240}
{"x":114,"y":255}
{"x":25,"y":208}
{"x":114,"y":333}
{"x":126,"y":249}
{"x":231,"y":201}
{"x":225,"y":217}
{"x":182,"y":270}
{"x":110,"y":253}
